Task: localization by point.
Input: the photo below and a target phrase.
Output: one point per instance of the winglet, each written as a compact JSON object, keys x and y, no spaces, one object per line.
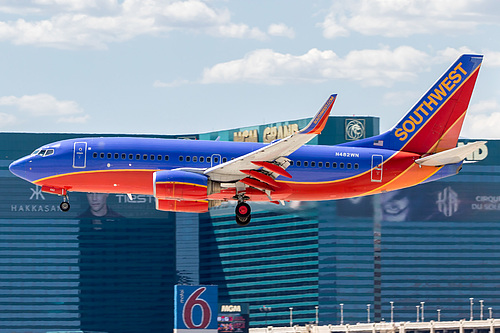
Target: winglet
{"x":319,"y":121}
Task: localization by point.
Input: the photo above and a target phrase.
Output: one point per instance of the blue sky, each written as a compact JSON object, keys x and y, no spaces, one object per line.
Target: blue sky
{"x":171,"y":67}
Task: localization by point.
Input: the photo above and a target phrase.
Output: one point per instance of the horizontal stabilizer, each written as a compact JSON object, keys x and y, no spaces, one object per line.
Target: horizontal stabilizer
{"x":450,"y":156}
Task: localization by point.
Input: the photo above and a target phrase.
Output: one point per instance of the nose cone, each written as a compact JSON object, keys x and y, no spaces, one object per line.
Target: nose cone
{"x":18,"y":168}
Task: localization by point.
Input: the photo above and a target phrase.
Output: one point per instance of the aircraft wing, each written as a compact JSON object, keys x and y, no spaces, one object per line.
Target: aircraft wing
{"x":273,"y":156}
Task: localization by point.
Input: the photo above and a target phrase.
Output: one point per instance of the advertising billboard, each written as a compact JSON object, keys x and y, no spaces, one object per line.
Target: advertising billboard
{"x":195,"y":309}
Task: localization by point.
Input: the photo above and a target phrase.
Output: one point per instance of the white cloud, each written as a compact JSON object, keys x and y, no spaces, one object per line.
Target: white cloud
{"x":45,"y":105}
{"x":72,"y":23}
{"x":7,"y":120}
{"x":482,"y":126}
{"x":397,"y":18}
{"x":483,"y":120}
{"x":381,"y":67}
{"x":281,"y":30}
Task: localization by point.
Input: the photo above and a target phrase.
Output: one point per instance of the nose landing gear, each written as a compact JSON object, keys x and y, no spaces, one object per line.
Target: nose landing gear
{"x":65,"y":204}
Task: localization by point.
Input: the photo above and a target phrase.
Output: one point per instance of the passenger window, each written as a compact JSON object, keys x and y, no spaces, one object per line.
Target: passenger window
{"x":291,"y":163}
{"x":202,"y":159}
{"x":216,"y":160}
{"x":327,"y":164}
{"x":188,"y":158}
{"x":209,"y":159}
{"x":356,"y":166}
{"x":313,"y":164}
{"x":109,"y":155}
{"x":124,"y":156}
{"x":181,"y":158}
{"x":320,"y":164}
{"x":102,"y":155}
{"x":298,"y":163}
{"x":224,"y":160}
{"x":341,"y":165}
{"x":116,"y":156}
{"x":144,"y":156}
{"x":94,"y":155}
{"x":152,"y":157}
{"x":349,"y":165}
{"x":130,"y":156}
{"x":195,"y":159}
{"x":334,"y":165}
{"x":159,"y":157}
{"x":306,"y":163}
{"x":166,"y":157}
{"x":137,"y":156}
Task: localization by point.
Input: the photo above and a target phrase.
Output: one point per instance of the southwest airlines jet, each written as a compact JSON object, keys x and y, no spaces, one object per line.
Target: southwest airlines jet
{"x":192,"y":176}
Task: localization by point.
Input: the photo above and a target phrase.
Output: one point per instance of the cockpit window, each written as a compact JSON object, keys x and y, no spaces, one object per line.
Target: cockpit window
{"x":43,"y":152}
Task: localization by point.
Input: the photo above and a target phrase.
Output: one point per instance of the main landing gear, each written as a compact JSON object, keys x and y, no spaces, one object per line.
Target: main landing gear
{"x":65,"y":204}
{"x":242,"y":212}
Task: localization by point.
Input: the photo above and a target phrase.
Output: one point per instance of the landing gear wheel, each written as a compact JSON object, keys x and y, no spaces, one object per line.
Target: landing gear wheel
{"x":242,"y":212}
{"x":64,"y":206}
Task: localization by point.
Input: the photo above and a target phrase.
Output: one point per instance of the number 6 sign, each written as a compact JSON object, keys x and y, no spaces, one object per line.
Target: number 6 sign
{"x":195,"y":309}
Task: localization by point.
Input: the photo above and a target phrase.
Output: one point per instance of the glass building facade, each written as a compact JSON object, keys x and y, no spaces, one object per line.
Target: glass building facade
{"x":435,"y":243}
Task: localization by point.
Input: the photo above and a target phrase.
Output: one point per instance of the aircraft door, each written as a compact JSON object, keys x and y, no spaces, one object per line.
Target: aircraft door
{"x":377,"y":168}
{"x":216,"y":159}
{"x":80,"y":155}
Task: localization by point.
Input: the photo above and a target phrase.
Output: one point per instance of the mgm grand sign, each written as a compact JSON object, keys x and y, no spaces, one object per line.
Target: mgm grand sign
{"x":268,"y":135}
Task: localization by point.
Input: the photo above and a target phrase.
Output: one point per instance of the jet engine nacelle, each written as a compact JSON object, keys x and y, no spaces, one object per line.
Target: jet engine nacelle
{"x":176,"y":184}
{"x":185,"y":206}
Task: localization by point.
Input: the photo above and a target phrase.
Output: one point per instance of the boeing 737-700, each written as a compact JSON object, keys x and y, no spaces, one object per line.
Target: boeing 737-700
{"x":192,"y":176}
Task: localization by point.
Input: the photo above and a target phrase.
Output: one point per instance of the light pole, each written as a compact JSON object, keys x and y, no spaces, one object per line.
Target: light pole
{"x":392,"y":312}
{"x":266,"y":310}
{"x":471,"y":308}
{"x":422,"y":304}
{"x":368,"y":312}
{"x":439,"y":314}
{"x":341,"y":313}
{"x":291,"y":316}
{"x":418,"y":312}
{"x":491,"y":313}
{"x":482,"y":305}
{"x":317,"y":307}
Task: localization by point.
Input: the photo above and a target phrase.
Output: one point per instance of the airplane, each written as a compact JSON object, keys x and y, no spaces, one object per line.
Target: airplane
{"x":193,"y":176}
